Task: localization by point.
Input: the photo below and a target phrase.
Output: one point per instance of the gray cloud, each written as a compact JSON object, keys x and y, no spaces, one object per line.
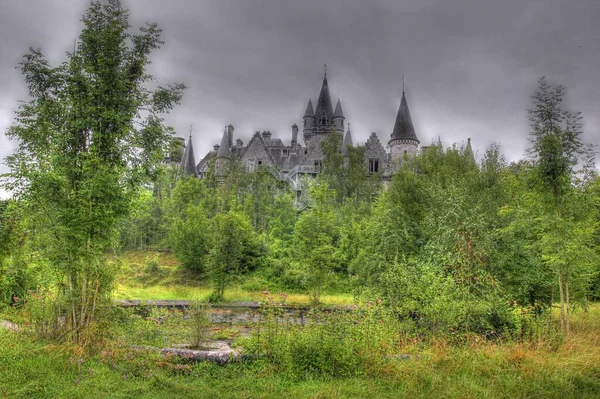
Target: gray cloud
{"x":470,"y":66}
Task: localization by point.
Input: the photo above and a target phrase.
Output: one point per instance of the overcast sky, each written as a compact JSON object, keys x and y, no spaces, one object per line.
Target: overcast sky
{"x":470,"y":66}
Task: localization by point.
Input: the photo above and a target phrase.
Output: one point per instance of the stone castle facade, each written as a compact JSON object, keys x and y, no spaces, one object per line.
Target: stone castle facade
{"x":289,"y":162}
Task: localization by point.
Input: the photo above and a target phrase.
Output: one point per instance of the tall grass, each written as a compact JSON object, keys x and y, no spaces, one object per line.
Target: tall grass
{"x":30,"y":368}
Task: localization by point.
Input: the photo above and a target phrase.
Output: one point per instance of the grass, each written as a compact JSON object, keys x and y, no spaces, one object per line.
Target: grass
{"x":171,"y":282}
{"x":34,"y":369}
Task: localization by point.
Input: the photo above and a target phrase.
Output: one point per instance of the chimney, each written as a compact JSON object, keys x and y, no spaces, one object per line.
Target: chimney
{"x":230,"y":130}
{"x":216,"y":147}
{"x":266,"y":137}
{"x":294,"y":135}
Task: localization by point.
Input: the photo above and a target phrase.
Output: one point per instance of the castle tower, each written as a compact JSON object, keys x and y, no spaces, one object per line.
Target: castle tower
{"x":347,"y":142}
{"x":188,"y":163}
{"x":223,"y":156}
{"x":324,"y":111}
{"x":403,"y":140}
{"x":309,"y":121}
{"x":338,"y":117}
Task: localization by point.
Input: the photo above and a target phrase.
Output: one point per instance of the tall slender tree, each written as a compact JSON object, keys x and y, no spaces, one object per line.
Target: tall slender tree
{"x":556,"y":147}
{"x":86,"y":137}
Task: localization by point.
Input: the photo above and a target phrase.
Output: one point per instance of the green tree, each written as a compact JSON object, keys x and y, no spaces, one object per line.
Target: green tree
{"x":315,"y":235}
{"x":556,"y":147}
{"x":234,"y":250}
{"x":85,"y":140}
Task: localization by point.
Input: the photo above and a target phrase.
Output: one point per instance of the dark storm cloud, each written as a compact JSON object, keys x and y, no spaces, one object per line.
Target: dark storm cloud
{"x":470,"y":66}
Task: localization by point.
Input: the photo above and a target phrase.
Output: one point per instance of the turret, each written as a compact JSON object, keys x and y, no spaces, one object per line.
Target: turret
{"x":403,"y":139}
{"x":188,"y":162}
{"x":223,"y":156}
{"x":309,"y":121}
{"x":338,"y":117}
{"x":324,"y":111}
{"x":347,"y":141}
{"x":469,"y":151}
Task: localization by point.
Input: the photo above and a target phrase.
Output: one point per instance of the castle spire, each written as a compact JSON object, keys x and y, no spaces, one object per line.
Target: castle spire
{"x":224,"y":150}
{"x":469,"y":151}
{"x":309,"y":109}
{"x":324,"y":111}
{"x":338,"y":110}
{"x":188,"y":162}
{"x":348,"y":137}
{"x":403,"y":128}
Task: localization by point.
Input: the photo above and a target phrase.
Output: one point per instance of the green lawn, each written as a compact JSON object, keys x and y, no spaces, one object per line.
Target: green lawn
{"x":135,"y":282}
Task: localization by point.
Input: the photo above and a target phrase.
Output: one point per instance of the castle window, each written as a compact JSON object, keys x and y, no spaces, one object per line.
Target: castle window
{"x":251,"y":167}
{"x":285,"y":153}
{"x":373,"y":165}
{"x":259,"y":162}
{"x":324,"y":119}
{"x":305,"y":152}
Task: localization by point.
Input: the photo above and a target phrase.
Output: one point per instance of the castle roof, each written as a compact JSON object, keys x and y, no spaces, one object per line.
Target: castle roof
{"x":347,"y":141}
{"x":338,"y":110}
{"x":309,"y":109}
{"x":469,"y":151}
{"x":188,"y":163}
{"x":324,"y":106}
{"x":224,"y":150}
{"x":403,"y":128}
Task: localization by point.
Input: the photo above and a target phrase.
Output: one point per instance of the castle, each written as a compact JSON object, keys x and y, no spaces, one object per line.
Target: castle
{"x":289,"y":162}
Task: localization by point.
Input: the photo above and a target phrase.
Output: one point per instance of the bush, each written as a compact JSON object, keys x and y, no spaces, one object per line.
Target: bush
{"x":334,"y":343}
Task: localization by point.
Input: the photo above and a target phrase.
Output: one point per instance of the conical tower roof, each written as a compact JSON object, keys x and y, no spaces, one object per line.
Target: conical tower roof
{"x":188,"y":162}
{"x":224,"y":150}
{"x":469,"y":151}
{"x":348,"y":138}
{"x":324,"y":106}
{"x":403,"y":128}
{"x":347,"y":141}
{"x":309,"y":109}
{"x":338,"y":110}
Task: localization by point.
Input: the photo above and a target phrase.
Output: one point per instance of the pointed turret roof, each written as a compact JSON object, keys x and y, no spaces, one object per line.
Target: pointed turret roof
{"x":188,"y":163}
{"x":309,"y":109}
{"x":403,"y":128}
{"x":338,"y":110}
{"x":469,"y":151}
{"x":324,"y":103}
{"x":347,"y":141}
{"x":224,"y":150}
{"x":348,"y":138}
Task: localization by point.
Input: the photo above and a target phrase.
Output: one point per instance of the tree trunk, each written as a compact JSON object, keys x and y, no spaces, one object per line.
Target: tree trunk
{"x":562,"y":302}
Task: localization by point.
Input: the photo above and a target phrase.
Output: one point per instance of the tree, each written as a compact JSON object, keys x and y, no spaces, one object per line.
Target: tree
{"x":234,"y":250}
{"x":315,"y":234}
{"x":556,"y":146}
{"x":86,"y":139}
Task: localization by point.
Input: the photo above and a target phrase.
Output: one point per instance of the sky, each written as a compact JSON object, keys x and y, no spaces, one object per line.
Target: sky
{"x":470,"y":66}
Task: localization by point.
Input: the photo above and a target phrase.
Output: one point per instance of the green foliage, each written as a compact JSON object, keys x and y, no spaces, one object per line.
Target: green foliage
{"x":81,"y":156}
{"x":315,"y":236}
{"x":331,"y":343}
{"x":190,"y":238}
{"x":234,"y":250}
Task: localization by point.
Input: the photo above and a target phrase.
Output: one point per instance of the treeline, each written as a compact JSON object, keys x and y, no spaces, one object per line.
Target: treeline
{"x":447,"y":242}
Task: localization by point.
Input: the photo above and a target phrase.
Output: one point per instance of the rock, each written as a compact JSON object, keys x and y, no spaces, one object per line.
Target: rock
{"x":7,"y":325}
